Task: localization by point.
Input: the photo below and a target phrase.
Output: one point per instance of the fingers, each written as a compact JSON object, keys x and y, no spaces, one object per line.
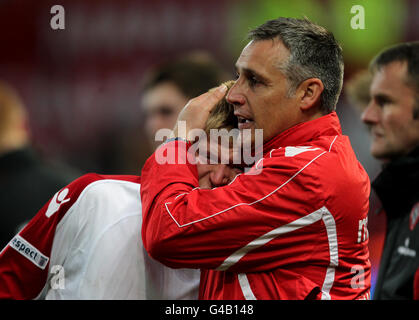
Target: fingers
{"x":197,"y":110}
{"x":217,"y":95}
{"x":208,"y":100}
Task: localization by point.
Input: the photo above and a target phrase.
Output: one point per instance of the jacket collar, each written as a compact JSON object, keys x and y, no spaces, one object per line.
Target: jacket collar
{"x":397,"y":184}
{"x":305,"y":132}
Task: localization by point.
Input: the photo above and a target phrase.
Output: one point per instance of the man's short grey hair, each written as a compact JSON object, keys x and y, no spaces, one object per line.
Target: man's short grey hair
{"x":314,"y":53}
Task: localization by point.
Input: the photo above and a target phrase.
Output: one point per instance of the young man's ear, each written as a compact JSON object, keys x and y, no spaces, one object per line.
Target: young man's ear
{"x":310,"y":91}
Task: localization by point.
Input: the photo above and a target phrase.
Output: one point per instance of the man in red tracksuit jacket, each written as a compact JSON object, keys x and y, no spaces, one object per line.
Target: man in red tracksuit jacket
{"x":294,"y":226}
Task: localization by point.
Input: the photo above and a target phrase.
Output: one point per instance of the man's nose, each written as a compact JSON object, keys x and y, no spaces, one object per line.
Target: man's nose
{"x":219,"y":176}
{"x":370,"y":114}
{"x":234,"y":95}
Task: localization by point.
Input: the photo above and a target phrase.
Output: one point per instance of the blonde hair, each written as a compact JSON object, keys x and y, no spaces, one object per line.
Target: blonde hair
{"x":222,"y":116}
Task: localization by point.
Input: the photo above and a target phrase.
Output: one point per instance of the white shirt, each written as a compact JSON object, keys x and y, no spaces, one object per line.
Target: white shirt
{"x":97,"y":251}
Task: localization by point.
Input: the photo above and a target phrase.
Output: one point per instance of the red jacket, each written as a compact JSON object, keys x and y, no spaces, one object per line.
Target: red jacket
{"x":296,"y":230}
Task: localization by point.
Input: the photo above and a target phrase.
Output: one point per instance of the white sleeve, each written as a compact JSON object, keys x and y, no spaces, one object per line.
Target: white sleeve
{"x":65,"y":234}
{"x":99,"y":245}
{"x":164,"y":283}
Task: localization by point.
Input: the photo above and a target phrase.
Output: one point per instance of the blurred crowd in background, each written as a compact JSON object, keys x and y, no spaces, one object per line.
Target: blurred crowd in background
{"x":81,"y":88}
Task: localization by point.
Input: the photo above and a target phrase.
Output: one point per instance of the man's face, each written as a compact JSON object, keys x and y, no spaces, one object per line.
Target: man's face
{"x":389,"y":114}
{"x":162,"y":105}
{"x":215,"y":175}
{"x":219,"y":173}
{"x":259,"y":95}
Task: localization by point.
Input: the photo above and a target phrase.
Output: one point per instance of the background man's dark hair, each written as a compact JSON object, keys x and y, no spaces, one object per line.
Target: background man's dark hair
{"x":403,"y":52}
{"x":193,"y":74}
{"x":314,"y":53}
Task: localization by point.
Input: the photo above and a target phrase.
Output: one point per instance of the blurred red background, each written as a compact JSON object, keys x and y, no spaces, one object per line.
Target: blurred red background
{"x":82,"y":85}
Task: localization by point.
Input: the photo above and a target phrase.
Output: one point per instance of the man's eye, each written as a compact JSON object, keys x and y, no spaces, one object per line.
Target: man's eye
{"x":236,"y":168}
{"x":167,"y":111}
{"x":382,"y":101}
{"x":253,"y":81}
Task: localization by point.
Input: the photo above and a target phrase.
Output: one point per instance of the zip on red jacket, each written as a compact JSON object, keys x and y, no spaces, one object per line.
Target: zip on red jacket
{"x":295,"y":230}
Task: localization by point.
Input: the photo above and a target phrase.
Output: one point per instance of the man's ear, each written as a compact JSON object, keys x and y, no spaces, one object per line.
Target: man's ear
{"x":310,"y":91}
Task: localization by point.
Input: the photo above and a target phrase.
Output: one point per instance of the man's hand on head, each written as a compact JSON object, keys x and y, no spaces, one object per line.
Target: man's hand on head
{"x":196,"y":111}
